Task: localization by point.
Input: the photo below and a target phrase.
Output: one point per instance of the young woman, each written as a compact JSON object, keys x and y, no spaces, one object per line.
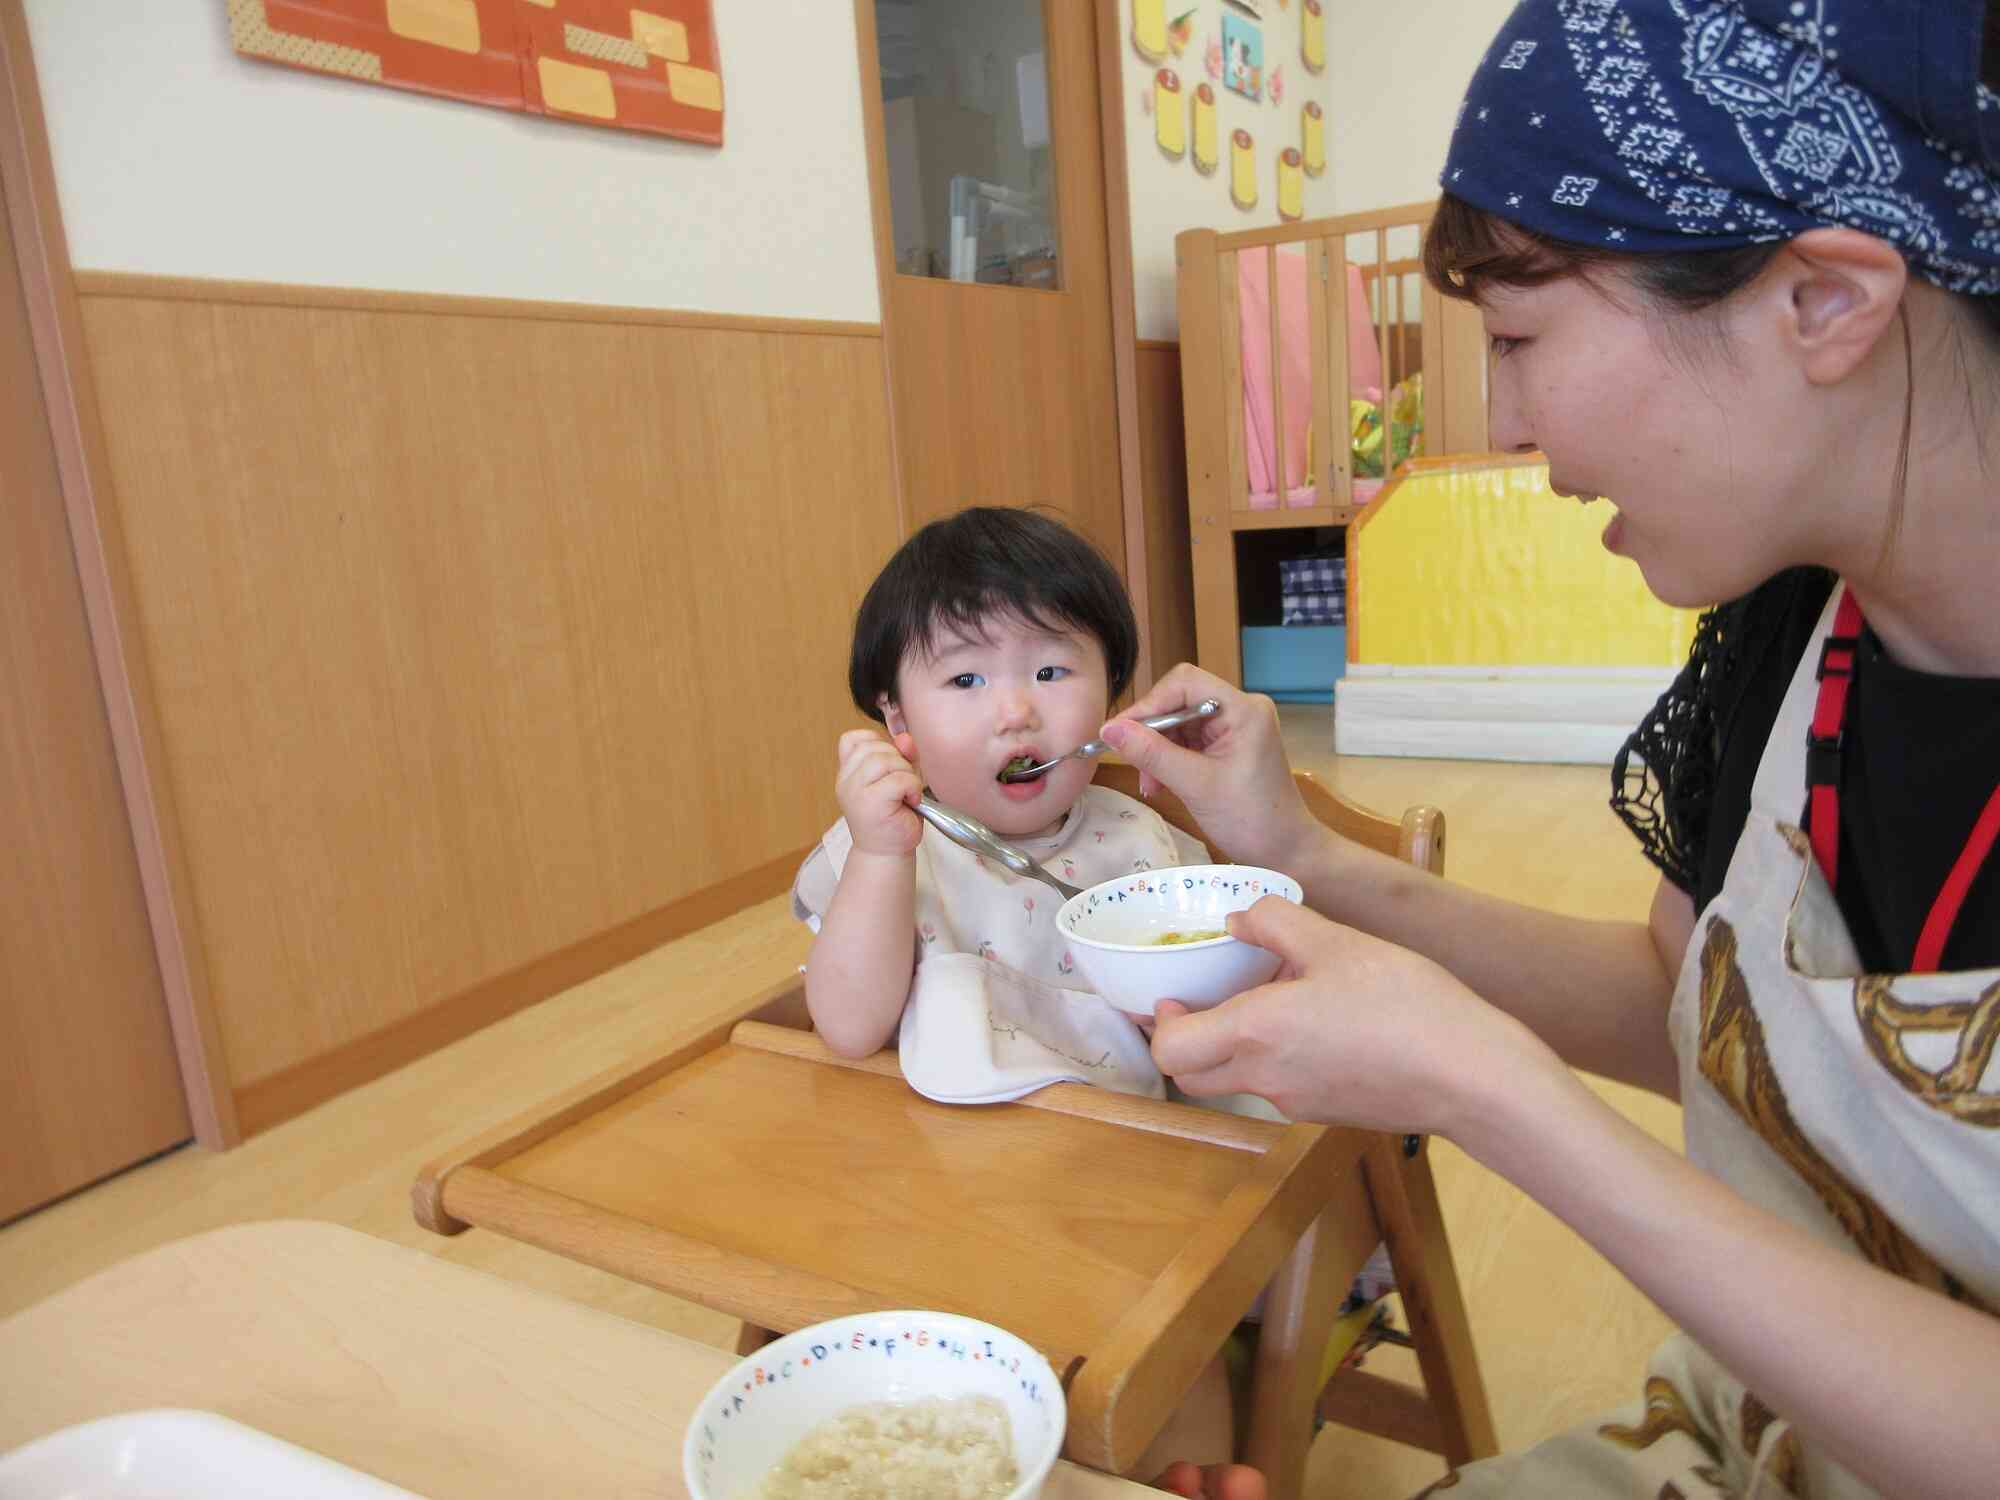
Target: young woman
{"x":1738,"y":259}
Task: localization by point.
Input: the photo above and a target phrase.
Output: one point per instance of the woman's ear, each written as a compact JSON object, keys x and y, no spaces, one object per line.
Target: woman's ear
{"x":1844,"y":288}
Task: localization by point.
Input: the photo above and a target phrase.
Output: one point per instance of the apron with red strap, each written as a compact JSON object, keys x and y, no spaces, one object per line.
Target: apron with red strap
{"x":1863,"y":1108}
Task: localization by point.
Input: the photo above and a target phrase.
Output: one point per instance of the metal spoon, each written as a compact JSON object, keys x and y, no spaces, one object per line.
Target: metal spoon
{"x":1202,"y":710}
{"x":969,"y":833}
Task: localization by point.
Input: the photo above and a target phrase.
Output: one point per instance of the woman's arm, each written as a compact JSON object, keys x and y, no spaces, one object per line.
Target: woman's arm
{"x":858,"y":973}
{"x":1596,"y":992}
{"x":1601,"y":1005}
{"x":1894,"y":1381}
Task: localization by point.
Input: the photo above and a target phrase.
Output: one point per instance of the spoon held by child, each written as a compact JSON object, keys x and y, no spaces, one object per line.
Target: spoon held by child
{"x":969,"y":833}
{"x":1202,"y":710}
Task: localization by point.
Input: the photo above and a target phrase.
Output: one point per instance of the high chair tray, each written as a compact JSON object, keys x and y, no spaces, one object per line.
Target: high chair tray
{"x":754,"y":1171}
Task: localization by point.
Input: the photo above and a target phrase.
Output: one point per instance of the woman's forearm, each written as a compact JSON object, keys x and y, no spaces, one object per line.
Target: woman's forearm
{"x":1595,"y":992}
{"x":858,"y":973}
{"x":1893,"y":1381}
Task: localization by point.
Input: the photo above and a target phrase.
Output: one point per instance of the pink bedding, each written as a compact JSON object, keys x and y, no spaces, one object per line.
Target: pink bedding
{"x":1364,"y":366}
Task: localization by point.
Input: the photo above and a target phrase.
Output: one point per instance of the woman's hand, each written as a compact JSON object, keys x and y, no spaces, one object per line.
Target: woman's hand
{"x":878,"y":790}
{"x":1352,"y":1030}
{"x":1230,"y":769}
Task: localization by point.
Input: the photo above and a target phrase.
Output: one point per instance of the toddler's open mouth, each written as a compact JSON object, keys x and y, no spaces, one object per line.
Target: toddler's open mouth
{"x":1010,"y":773}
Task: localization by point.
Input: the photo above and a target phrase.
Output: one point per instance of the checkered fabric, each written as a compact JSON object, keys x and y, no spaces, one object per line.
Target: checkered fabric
{"x":1313,"y":609}
{"x":1313,"y":575}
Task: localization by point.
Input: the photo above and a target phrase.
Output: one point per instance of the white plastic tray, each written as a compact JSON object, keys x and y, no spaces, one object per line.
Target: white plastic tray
{"x":178,"y":1455}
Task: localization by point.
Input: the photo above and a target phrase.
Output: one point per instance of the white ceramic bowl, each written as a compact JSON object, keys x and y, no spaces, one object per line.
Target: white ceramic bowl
{"x":754,"y":1415}
{"x":1114,"y":931}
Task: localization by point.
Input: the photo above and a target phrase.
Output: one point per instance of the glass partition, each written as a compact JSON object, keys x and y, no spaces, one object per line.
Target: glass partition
{"x":965,"y":113}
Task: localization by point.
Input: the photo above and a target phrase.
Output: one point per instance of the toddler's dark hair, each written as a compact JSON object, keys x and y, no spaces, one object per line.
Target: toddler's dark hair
{"x":960,"y":572}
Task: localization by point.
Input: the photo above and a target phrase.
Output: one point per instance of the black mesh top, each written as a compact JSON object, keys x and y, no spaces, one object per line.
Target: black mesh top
{"x":1922,"y":756}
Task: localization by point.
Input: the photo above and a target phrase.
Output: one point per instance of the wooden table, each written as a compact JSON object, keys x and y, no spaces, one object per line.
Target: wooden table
{"x":755,"y":1172}
{"x":445,"y":1381}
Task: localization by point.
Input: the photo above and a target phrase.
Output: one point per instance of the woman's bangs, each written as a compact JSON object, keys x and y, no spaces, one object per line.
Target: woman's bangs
{"x":1466,"y":248}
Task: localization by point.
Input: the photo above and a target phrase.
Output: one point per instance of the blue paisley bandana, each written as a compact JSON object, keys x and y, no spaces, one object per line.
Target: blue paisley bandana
{"x":1654,"y":125}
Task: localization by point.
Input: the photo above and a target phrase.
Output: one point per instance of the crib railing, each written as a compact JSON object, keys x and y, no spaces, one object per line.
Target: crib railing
{"x":1415,"y":327}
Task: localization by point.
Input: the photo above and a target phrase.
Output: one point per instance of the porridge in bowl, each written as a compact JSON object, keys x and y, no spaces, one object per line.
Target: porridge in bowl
{"x":956,"y":1448}
{"x":1171,"y":939}
{"x":1162,"y":934}
{"x":877,"y":1406}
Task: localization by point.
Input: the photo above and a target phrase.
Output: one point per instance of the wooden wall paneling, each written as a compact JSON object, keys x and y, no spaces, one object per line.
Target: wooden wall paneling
{"x":207,"y":290}
{"x":88,"y":1079}
{"x":1162,"y":442}
{"x":27,"y":178}
{"x":479,"y":640}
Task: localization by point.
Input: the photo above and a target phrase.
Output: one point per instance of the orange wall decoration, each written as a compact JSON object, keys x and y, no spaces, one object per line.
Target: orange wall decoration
{"x":651,"y":67}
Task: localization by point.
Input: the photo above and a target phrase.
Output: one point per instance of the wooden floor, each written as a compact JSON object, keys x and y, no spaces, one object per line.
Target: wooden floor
{"x":1561,"y":1336}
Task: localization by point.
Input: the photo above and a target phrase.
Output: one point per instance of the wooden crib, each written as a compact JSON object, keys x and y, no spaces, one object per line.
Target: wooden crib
{"x":1415,"y":329}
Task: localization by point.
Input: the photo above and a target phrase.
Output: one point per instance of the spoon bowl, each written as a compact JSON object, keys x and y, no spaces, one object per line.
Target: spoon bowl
{"x":1207,"y":708}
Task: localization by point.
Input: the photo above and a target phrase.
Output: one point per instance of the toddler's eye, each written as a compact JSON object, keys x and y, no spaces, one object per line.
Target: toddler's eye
{"x":1502,"y":347}
{"x":1053,"y":674}
{"x":968,"y":680}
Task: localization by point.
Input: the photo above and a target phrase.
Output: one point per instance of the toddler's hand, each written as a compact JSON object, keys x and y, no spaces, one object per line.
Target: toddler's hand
{"x":878,"y":789}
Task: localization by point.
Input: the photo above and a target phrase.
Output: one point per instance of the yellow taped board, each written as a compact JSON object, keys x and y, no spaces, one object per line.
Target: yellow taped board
{"x":443,"y":23}
{"x":577,"y":90}
{"x":699,"y":88}
{"x":662,"y":37}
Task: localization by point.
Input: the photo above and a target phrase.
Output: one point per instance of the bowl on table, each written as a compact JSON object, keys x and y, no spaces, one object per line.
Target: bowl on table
{"x":1159,"y":935}
{"x":755,"y":1415}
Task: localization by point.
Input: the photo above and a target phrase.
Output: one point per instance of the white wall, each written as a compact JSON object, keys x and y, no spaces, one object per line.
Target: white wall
{"x":1168,"y":196}
{"x":177,"y":157}
{"x":1395,"y":73}
{"x":1398,"y":72}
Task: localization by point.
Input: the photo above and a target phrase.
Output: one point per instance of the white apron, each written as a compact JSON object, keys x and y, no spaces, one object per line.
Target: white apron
{"x":997,"y":1006}
{"x":1835,"y":1099}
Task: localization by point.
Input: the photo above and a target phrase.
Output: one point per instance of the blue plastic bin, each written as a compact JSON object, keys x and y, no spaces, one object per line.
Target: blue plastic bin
{"x":1294,"y":663}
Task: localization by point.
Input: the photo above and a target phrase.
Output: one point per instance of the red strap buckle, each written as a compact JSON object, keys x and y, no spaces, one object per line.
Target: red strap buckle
{"x":1836,"y":656}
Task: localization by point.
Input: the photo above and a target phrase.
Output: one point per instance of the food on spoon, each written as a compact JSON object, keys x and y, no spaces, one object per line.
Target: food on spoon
{"x":935,"y":1449}
{"x":1168,"y":939}
{"x":1018,"y":765}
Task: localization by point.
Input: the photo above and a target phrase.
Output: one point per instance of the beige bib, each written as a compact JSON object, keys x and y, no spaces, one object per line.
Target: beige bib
{"x":997,"y":1007}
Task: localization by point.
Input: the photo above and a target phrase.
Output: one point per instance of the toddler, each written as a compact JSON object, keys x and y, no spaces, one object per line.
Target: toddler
{"x":991,"y":635}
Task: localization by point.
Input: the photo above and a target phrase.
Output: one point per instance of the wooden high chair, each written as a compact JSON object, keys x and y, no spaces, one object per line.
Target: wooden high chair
{"x":752,"y":1170}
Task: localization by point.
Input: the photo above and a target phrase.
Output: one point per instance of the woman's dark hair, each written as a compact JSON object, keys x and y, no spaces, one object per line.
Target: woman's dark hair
{"x":961,"y":572}
{"x":1466,"y":248}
